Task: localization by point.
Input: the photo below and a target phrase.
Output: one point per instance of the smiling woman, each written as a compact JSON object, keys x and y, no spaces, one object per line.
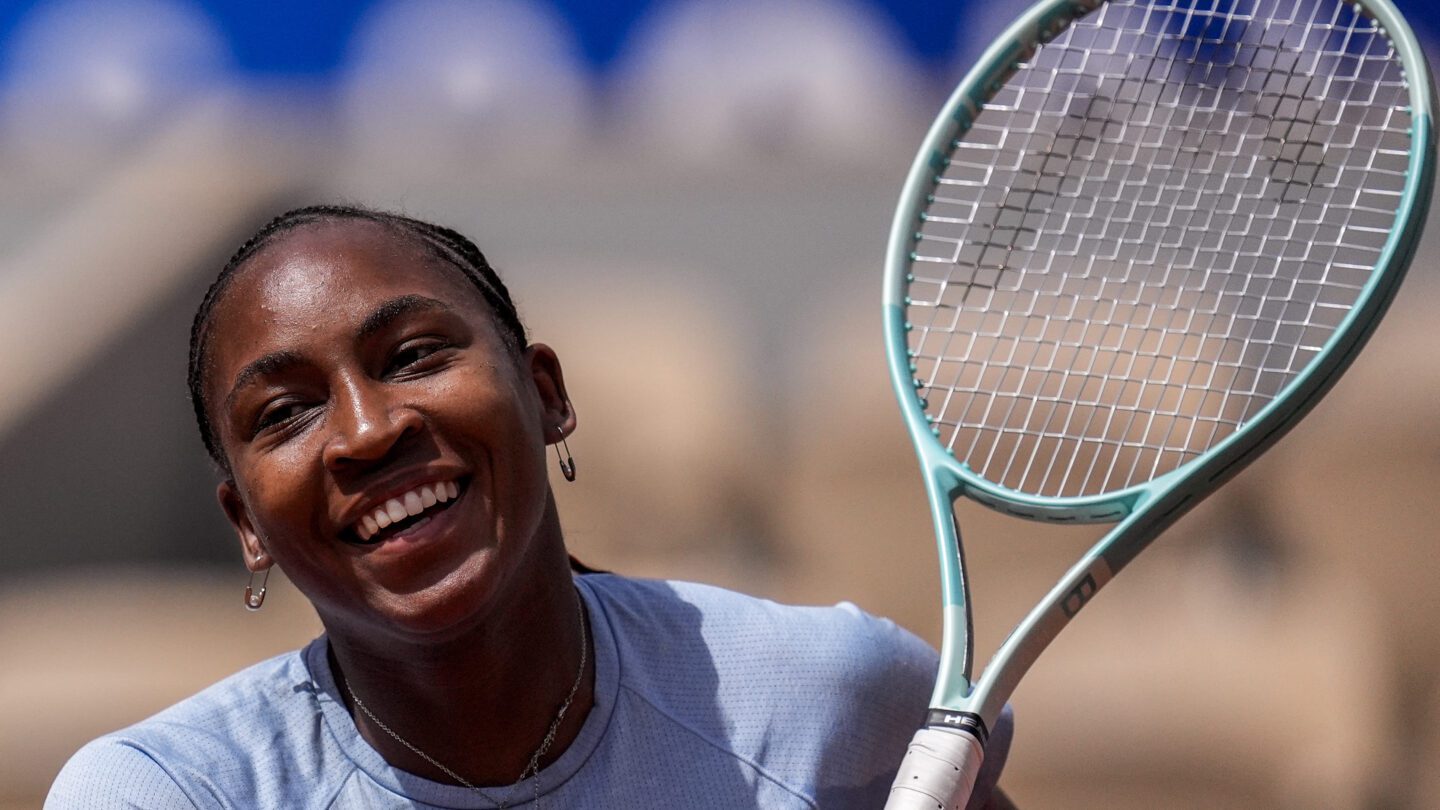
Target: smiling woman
{"x":381,"y":422}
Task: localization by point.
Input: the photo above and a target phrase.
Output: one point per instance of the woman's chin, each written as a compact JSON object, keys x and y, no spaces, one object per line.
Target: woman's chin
{"x":447,"y":602}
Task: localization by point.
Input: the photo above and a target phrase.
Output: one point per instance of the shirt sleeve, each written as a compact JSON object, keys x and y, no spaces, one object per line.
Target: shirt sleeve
{"x":110,"y":774}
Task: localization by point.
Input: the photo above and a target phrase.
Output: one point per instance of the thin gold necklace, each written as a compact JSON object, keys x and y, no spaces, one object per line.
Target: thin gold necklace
{"x":532,"y":769}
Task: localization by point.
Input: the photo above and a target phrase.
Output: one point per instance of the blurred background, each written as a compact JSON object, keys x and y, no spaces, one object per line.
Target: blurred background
{"x":690,"y":200}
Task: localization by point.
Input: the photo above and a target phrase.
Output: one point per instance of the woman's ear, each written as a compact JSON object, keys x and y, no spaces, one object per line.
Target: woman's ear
{"x":256,"y":557}
{"x":556,"y":411}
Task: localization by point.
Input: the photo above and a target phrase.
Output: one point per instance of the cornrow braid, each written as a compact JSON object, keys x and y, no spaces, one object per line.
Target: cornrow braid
{"x":447,"y":244}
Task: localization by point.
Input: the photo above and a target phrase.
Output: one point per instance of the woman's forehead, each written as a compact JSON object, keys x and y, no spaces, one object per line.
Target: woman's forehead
{"x":331,"y":263}
{"x":318,"y":279}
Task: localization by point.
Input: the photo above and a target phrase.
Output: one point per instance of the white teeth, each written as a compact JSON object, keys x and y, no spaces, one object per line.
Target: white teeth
{"x":400,"y":507}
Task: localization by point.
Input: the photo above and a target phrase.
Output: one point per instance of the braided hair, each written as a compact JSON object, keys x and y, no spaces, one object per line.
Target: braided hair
{"x":446,"y":244}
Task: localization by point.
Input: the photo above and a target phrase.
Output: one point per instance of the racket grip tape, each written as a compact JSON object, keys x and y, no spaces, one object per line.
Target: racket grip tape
{"x":939,"y":768}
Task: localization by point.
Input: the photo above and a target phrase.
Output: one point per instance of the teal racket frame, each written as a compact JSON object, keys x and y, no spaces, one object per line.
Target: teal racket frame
{"x":1141,"y":511}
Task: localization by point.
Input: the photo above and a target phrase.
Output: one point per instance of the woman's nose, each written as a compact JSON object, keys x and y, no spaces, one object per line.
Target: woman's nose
{"x":366,"y":424}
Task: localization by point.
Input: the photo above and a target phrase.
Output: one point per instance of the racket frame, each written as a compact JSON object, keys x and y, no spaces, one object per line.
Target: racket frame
{"x":1142,"y":510}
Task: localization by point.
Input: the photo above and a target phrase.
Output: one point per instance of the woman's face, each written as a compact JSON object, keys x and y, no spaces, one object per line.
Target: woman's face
{"x":355,"y":378}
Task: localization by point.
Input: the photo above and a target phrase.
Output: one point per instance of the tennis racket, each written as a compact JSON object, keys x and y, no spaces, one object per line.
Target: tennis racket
{"x":1139,"y":243}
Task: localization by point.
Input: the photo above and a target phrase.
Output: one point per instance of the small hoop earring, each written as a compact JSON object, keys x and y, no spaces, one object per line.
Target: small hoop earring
{"x":567,"y":462}
{"x":254,"y":599}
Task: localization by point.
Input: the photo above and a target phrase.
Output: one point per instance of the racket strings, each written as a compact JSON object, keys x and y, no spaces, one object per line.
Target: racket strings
{"x":1152,"y":228}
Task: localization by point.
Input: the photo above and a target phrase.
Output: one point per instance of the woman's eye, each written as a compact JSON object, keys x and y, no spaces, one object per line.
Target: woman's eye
{"x":411,"y":355}
{"x":279,"y":413}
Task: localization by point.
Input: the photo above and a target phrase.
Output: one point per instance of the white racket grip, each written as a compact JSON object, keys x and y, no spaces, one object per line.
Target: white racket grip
{"x":938,"y":772}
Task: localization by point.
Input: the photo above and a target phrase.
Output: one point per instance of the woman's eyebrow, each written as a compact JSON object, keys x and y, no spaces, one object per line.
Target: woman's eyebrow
{"x":384,"y":315}
{"x":388,"y":312}
{"x":271,"y":363}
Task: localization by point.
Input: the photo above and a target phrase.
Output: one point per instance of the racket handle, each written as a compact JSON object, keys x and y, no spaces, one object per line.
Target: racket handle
{"x":938,"y":772}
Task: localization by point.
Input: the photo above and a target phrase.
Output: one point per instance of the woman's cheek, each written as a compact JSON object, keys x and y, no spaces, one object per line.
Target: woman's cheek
{"x":284,"y":503}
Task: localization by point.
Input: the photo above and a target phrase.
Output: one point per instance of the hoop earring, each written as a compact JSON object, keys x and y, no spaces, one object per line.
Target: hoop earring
{"x":254,"y":599}
{"x":567,"y":462}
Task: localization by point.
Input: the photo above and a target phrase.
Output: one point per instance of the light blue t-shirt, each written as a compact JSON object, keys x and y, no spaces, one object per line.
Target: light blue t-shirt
{"x":704,"y":698}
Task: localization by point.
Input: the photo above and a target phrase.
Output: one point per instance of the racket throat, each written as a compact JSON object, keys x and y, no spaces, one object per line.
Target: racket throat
{"x":957,"y":648}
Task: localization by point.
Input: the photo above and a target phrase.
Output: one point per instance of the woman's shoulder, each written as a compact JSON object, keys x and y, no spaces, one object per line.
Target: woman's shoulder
{"x":195,"y":745}
{"x":257,"y":696}
{"x":684,"y":642}
{"x":741,"y":627}
{"x":822,"y":699}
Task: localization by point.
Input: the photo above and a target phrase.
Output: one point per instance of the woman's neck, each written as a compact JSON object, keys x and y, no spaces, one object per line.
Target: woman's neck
{"x":479,"y":702}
